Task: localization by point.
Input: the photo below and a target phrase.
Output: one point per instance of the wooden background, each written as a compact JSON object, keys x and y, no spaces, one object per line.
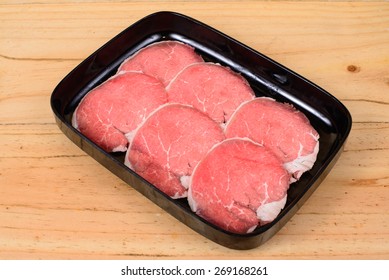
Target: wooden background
{"x":58,"y":203}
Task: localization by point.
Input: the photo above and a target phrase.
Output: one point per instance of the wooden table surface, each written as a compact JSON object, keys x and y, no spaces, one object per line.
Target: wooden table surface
{"x":58,"y":203}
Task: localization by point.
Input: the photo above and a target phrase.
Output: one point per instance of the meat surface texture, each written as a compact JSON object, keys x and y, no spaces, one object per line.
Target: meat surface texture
{"x":281,"y":128}
{"x":168,"y":145}
{"x":196,"y":129}
{"x":162,"y":60}
{"x":211,"y":88}
{"x":117,"y":107}
{"x":238,"y":186}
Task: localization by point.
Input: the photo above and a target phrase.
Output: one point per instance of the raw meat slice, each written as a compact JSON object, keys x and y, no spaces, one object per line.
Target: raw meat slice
{"x":238,"y":185}
{"x":211,"y":88}
{"x":169,"y":144}
{"x":162,"y":60}
{"x":281,"y":128}
{"x":117,"y":107}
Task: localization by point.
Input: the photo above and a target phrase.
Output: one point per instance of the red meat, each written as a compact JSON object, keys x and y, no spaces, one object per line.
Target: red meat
{"x":238,"y":185}
{"x":169,"y":144}
{"x":117,"y":107}
{"x":211,"y":88}
{"x":162,"y":60}
{"x":281,"y":128}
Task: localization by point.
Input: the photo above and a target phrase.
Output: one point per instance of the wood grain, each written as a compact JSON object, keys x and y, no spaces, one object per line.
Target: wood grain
{"x":58,"y":203}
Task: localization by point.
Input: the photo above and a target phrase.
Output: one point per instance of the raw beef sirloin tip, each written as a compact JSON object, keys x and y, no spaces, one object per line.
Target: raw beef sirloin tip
{"x":117,"y":107}
{"x":281,"y":128}
{"x":162,"y":60}
{"x":211,"y":88}
{"x":238,"y":186}
{"x":168,"y":145}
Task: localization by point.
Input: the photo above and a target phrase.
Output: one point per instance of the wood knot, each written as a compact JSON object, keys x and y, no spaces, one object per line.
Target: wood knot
{"x":353,"y":69}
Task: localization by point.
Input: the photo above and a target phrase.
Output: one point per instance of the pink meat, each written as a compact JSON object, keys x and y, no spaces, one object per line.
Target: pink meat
{"x":169,"y":144}
{"x":162,"y":60}
{"x":238,"y":185}
{"x":211,"y":88}
{"x":117,"y":107}
{"x":279,"y":127}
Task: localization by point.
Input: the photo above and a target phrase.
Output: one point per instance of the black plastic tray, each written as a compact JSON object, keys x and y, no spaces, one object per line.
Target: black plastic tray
{"x":268,"y":78}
